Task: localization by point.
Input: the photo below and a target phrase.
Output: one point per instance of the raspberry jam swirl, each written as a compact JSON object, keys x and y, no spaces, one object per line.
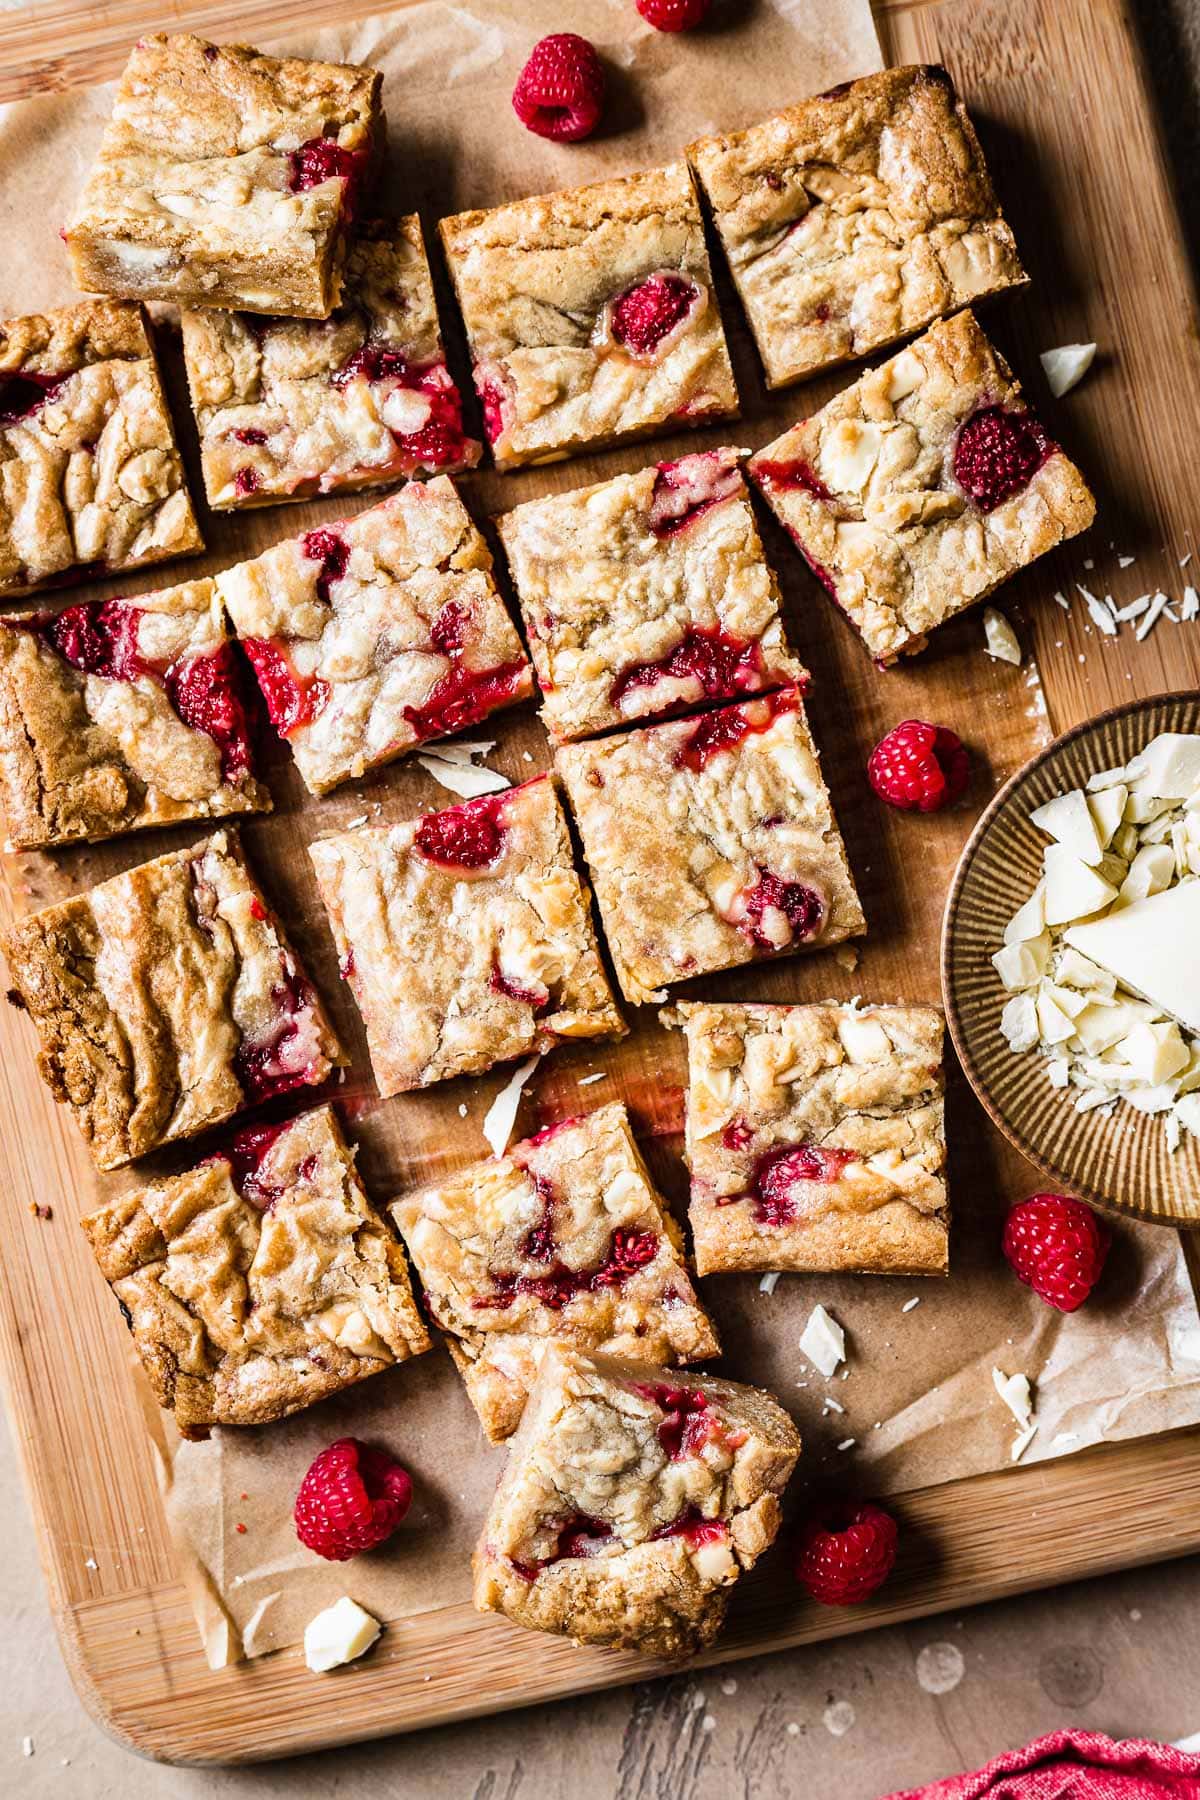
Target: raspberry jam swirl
{"x":782,"y":1183}
{"x":645,"y":315}
{"x":468,"y":838}
{"x":720,"y":731}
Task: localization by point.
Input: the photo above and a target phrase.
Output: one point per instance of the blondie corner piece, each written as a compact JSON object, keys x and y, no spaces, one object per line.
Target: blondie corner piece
{"x":711,"y":843}
{"x":856,"y":218}
{"x":227,"y":178}
{"x":117,"y":715}
{"x":565,"y":1237}
{"x":816,"y":1139}
{"x":92,"y":480}
{"x":287,"y":408}
{"x":922,"y":488}
{"x":591,"y":316}
{"x":646,"y":595}
{"x":167,"y":999}
{"x":372,"y":635}
{"x":632,"y":1500}
{"x":465,"y":936}
{"x":260,"y":1281}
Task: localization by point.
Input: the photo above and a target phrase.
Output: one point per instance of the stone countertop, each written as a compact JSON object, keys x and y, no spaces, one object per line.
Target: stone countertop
{"x":1104,"y":1655}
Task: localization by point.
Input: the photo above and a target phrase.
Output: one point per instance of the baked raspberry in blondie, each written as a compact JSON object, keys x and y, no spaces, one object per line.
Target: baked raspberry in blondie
{"x":92,"y":482}
{"x":856,"y":218}
{"x":632,"y":1500}
{"x":227,"y":178}
{"x":261,"y":1280}
{"x":565,"y":1237}
{"x":921,"y":488}
{"x":465,"y":936}
{"x":374,"y":634}
{"x":815,"y":1138}
{"x":120,"y":714}
{"x":647,"y":594}
{"x":591,"y":316}
{"x":711,"y":842}
{"x":165,"y":1000}
{"x":292,"y":407}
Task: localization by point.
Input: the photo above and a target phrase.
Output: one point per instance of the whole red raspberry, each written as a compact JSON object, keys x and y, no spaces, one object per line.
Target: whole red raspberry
{"x":673,"y":15}
{"x":352,"y":1499}
{"x":919,"y":766}
{"x":843,"y":1553}
{"x":560,"y":91}
{"x":997,"y":454}
{"x":1057,"y":1246}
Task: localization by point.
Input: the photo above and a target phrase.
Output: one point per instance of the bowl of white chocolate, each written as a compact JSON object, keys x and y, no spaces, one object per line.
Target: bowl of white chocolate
{"x":1071,"y":960}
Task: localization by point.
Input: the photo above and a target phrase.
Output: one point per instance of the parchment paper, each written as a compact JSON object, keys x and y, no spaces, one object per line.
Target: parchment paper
{"x":917,"y":1397}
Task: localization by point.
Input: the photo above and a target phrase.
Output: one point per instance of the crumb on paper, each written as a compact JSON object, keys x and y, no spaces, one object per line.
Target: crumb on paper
{"x":909,"y":1304}
{"x":838,"y":1718}
{"x":353,"y":824}
{"x":708,"y":1723}
{"x":39,"y":1210}
{"x":768,"y":1282}
{"x":830,"y":1405}
{"x":502,"y":1113}
{"x":1022,"y":1442}
{"x":729,"y":1686}
{"x":847,"y":1443}
{"x":1126,"y":562}
{"x":91,"y":1563}
{"x":823,"y":1341}
{"x":26,"y":1746}
{"x":462,"y":1109}
{"x":939,"y":1668}
{"x":999,"y":638}
{"x":846,"y":957}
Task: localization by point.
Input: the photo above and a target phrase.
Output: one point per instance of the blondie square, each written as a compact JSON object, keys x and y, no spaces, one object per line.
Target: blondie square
{"x":374,"y":634}
{"x":647,"y":594}
{"x":165,"y":1000}
{"x":632,"y":1500}
{"x":591,"y":316}
{"x":815,"y":1138}
{"x":260,"y":1281}
{"x":854,"y":219}
{"x":90,"y":479}
{"x":711,"y":842}
{"x":287,"y":408}
{"x":921,"y":488}
{"x":227,"y":178}
{"x":465,"y":936}
{"x":121,"y":714}
{"x":565,"y":1237}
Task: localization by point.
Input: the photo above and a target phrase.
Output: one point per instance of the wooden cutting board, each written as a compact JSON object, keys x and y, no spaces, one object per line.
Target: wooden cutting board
{"x":1060,"y":93}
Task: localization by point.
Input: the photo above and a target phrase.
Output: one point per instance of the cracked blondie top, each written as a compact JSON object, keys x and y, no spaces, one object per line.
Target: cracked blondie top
{"x":632,"y":1500}
{"x":853,"y":219}
{"x":374,"y":634}
{"x":815,"y":1138}
{"x":227,"y":178}
{"x":90,"y":478}
{"x":165,"y":1000}
{"x":292,"y":407}
{"x":711,"y":842}
{"x":260,"y":1281}
{"x":565,"y":1237}
{"x":646,"y":595}
{"x":591,"y":316}
{"x":465,"y":936}
{"x":920,"y":489}
{"x":120,"y":714}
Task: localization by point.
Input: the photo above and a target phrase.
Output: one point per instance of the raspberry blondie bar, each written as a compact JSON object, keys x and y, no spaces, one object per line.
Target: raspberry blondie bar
{"x":465,"y":936}
{"x":565,"y":1237}
{"x":227,"y":178}
{"x":711,"y":842}
{"x":591,"y":316}
{"x":167,"y":999}
{"x":647,"y":594}
{"x":856,"y":218}
{"x":260,"y":1281}
{"x":374,"y":634}
{"x":632,"y":1500}
{"x":91,"y":479}
{"x":921,"y":488}
{"x":815,"y":1138}
{"x":292,"y":407}
{"x":120,"y":714}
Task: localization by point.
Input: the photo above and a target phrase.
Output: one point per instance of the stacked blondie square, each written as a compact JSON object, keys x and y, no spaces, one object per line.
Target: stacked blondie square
{"x":169,"y":1001}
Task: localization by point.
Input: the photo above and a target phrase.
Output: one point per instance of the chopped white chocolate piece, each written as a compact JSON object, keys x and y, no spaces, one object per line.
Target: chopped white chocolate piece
{"x":1140,"y":945}
{"x":1107,"y":808}
{"x":1066,"y":365}
{"x":1019,"y":1022}
{"x":823,"y":1341}
{"x":502,"y":1113}
{"x":999,"y":638}
{"x":1023,"y":965}
{"x":1030,"y":920}
{"x":1068,"y":819}
{"x":1155,"y":1052}
{"x":1073,"y":890}
{"x":1169,"y":766}
{"x":1015,"y":1392}
{"x":1080,"y":972}
{"x":338,"y":1635}
{"x":1022,"y":1442}
{"x":1152,"y":870}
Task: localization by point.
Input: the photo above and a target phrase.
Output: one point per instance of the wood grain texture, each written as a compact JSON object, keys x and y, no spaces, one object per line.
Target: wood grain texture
{"x":1059,"y":96}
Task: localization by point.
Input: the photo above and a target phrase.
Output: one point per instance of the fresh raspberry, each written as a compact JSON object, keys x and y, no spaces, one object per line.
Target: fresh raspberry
{"x":843,"y":1553}
{"x":352,"y":1499}
{"x":1057,"y":1246}
{"x":997,"y":454}
{"x":648,"y":312}
{"x":560,"y":91}
{"x":673,"y":15}
{"x":919,"y":766}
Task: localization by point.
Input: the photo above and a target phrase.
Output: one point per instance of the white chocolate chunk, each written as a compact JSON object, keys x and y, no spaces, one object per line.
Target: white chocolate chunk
{"x":1066,"y":365}
{"x":1019,"y":1022}
{"x":1029,"y":921}
{"x":338,"y":1635}
{"x":1068,"y":819}
{"x":1151,"y":870}
{"x":1141,"y":945}
{"x":1073,"y":890}
{"x":823,"y":1341}
{"x":1169,"y":767}
{"x":999,"y":638}
{"x":1107,"y":808}
{"x":1023,"y":965}
{"x":1015,"y":1392}
{"x":1154,"y":1052}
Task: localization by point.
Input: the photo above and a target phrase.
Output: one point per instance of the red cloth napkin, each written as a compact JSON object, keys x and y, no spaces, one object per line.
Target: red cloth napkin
{"x":1074,"y":1765}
